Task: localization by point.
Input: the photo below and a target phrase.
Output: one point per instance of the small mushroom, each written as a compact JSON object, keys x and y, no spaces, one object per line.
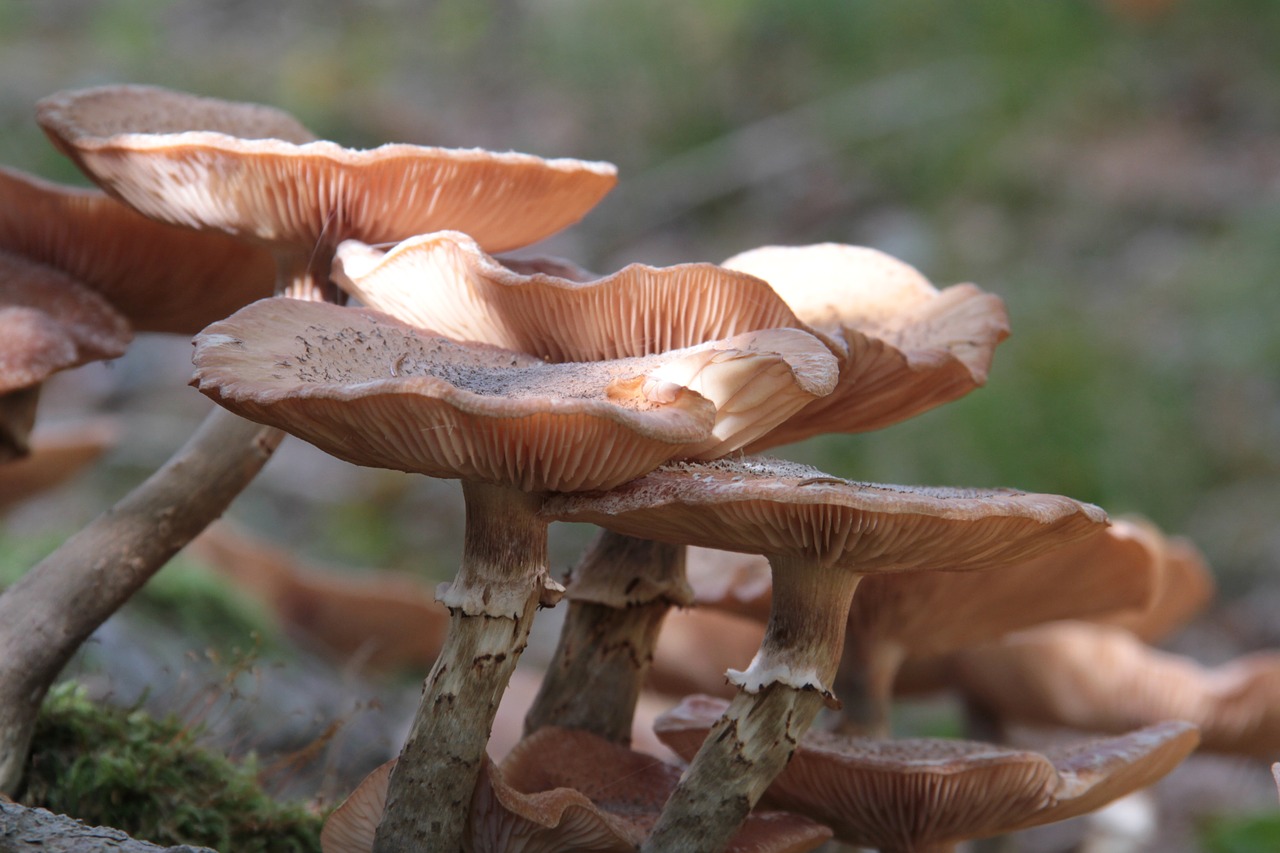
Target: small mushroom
{"x":927,"y":794}
{"x":255,"y":172}
{"x":821,"y":535}
{"x":375,"y":391}
{"x":910,"y":346}
{"x":563,"y":790}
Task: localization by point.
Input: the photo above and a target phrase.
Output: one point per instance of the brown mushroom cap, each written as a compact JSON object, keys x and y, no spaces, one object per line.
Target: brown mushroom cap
{"x":903,"y":794}
{"x":48,"y":322}
{"x":910,"y":346}
{"x":564,"y":790}
{"x":1184,"y":586}
{"x":772,"y":507}
{"x":254,"y":172}
{"x":1112,"y":569}
{"x":162,"y":278}
{"x":1103,"y":679}
{"x":445,"y":282}
{"x":374,"y":391}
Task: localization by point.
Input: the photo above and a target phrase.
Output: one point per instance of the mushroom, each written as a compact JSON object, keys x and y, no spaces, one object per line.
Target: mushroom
{"x":927,"y":794}
{"x":897,"y":617}
{"x":622,"y":588}
{"x":563,"y":790}
{"x":821,"y":534}
{"x":255,"y":172}
{"x":1103,"y":679}
{"x":910,"y":346}
{"x":374,"y":391}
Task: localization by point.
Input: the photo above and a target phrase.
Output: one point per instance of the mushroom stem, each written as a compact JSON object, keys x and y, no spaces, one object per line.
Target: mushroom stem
{"x":621,"y":592}
{"x":306,"y":275}
{"x":56,"y":605}
{"x":502,"y":582}
{"x":865,"y":686}
{"x":779,"y":696}
{"x":17,"y":418}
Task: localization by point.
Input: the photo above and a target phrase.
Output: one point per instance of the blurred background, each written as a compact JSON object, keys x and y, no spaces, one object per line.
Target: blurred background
{"x":1111,"y":168}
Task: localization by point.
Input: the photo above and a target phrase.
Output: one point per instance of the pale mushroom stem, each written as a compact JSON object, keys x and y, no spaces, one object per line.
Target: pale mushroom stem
{"x":865,"y":686}
{"x":57,"y":604}
{"x":306,"y":276}
{"x":620,"y":594}
{"x":779,"y":696}
{"x":502,"y":582}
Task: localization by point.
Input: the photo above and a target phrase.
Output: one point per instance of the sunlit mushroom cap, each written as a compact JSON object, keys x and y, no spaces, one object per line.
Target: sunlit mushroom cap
{"x":905,"y":794}
{"x":255,"y":172}
{"x":445,"y":282}
{"x":162,"y":278}
{"x":369,"y":389}
{"x":910,"y":346}
{"x":563,"y":790}
{"x":49,"y":322}
{"x":1103,"y":679}
{"x":772,"y":507}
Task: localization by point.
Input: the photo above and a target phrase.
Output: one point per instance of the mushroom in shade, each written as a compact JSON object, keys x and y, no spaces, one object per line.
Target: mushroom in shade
{"x":821,"y":535}
{"x":1099,"y":678}
{"x":58,"y":453}
{"x":374,"y":391}
{"x":257,"y":173}
{"x":563,"y":790}
{"x":910,"y":346}
{"x":925,"y":795}
{"x":898,"y":617}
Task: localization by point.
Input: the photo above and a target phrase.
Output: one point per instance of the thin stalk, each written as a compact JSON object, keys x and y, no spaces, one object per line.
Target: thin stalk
{"x":17,"y":418}
{"x":779,"y":696}
{"x":620,"y":594}
{"x":865,"y":686}
{"x":502,"y":582}
{"x":57,"y":604}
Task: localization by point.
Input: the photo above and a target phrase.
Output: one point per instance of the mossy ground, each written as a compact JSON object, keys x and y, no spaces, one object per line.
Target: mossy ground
{"x":151,"y":778}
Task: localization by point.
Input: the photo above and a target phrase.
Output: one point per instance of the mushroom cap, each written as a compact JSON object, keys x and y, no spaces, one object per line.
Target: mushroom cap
{"x":910,"y":346}
{"x":1101,"y":678}
{"x":445,"y":282}
{"x":162,"y":278}
{"x":1111,"y":569}
{"x":48,"y":322}
{"x":562,"y":790}
{"x":254,"y":172}
{"x":1184,"y":586}
{"x":374,"y":391}
{"x":777,"y":508}
{"x":903,"y":794}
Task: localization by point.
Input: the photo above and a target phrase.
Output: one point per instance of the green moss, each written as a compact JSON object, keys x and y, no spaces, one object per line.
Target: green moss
{"x":150,"y":778}
{"x":1252,"y":834}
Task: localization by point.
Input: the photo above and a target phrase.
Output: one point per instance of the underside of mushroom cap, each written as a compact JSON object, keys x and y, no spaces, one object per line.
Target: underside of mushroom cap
{"x":48,"y":322}
{"x":375,"y":391}
{"x":253,"y":172}
{"x":772,"y":507}
{"x":162,"y":278}
{"x":910,"y":346}
{"x":444,"y":281}
{"x":904,"y":793}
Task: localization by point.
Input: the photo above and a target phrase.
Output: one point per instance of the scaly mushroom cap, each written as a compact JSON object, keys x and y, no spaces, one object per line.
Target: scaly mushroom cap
{"x":905,"y":794}
{"x":772,"y":507}
{"x":445,"y":282}
{"x":1103,"y":679}
{"x":563,"y":790}
{"x":48,"y":322}
{"x":162,"y":278}
{"x":369,"y":389}
{"x":910,"y":346}
{"x":1112,"y":569}
{"x":255,"y":172}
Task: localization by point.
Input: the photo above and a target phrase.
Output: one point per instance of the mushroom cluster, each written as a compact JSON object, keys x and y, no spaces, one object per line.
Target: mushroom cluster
{"x":353,"y":299}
